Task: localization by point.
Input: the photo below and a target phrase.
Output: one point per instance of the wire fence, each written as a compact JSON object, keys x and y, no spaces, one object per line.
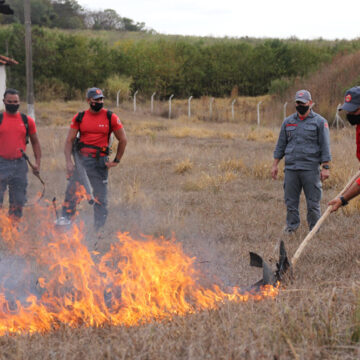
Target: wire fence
{"x":258,"y":111}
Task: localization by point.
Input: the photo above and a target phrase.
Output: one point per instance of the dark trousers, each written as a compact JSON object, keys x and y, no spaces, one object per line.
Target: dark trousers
{"x":97,"y":173}
{"x":296,"y":181}
{"x":13,"y":175}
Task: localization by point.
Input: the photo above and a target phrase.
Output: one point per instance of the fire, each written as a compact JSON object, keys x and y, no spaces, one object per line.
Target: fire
{"x":57,"y":281}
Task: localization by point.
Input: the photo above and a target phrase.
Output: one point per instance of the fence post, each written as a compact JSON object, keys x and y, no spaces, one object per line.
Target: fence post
{"x":189,"y":107}
{"x":171,"y":96}
{"x":285,"y":110}
{"x":152,"y":102}
{"x":135,"y":100}
{"x":338,"y":118}
{"x":211,"y":108}
{"x":232,"y":109}
{"x":258,"y":113}
{"x":117,"y":98}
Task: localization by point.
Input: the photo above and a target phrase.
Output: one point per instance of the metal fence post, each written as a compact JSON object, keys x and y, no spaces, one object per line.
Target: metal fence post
{"x":232,"y":109}
{"x":171,"y":96}
{"x":258,"y":113}
{"x":117,"y":98}
{"x":285,"y":110}
{"x":338,"y":118}
{"x":135,"y":100}
{"x":189,"y":107}
{"x":211,"y":108}
{"x":152,"y":102}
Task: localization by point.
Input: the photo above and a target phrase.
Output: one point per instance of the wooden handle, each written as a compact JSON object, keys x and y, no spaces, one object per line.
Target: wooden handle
{"x":319,"y":222}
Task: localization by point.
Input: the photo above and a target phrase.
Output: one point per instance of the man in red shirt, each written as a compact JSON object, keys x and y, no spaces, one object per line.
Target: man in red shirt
{"x":14,"y":130}
{"x":352,"y":107}
{"x":94,"y":126}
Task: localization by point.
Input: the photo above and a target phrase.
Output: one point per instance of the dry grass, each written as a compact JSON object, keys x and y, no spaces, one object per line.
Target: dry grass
{"x":183,"y":166}
{"x":226,"y":206}
{"x":262,"y":134}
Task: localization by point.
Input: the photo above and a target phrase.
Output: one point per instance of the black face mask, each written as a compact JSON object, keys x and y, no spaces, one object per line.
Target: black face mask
{"x":353,"y":119}
{"x":96,"y":106}
{"x":301,"y":109}
{"x":12,"y":108}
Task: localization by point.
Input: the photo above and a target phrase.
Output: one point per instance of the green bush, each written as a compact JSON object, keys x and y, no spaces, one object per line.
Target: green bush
{"x":47,"y":89}
{"x":279,"y":86}
{"x":115,"y":83}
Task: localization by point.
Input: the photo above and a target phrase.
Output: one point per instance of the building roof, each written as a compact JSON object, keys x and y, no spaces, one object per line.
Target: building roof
{"x":4,"y":60}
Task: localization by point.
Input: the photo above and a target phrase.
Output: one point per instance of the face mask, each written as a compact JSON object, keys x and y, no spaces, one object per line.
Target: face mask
{"x":96,"y":106}
{"x":353,"y":119}
{"x":12,"y":108}
{"x":301,"y":109}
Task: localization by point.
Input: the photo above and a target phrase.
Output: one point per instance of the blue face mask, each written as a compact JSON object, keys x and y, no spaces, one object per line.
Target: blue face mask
{"x":95,"y":106}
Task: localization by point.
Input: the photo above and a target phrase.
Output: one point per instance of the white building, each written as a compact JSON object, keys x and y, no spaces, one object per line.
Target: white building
{"x":3,"y":62}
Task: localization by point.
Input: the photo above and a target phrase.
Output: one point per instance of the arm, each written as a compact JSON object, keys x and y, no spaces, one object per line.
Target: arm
{"x":68,"y":150}
{"x":279,"y":151}
{"x":324,"y":142}
{"x":353,"y":191}
{"x":35,"y":143}
{"x":275,"y":169}
{"x":121,"y":136}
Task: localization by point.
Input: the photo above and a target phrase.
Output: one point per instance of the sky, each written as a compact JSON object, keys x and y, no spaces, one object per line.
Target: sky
{"x":305,"y":19}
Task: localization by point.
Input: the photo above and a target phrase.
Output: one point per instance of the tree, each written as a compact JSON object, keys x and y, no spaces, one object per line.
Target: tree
{"x":130,"y":26}
{"x":105,"y":20}
{"x":69,"y":14}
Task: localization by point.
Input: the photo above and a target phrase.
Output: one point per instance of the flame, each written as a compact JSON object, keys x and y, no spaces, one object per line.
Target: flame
{"x":136,"y":281}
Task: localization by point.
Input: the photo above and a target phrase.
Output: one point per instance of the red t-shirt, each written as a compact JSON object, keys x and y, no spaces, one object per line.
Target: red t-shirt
{"x":13,"y":135}
{"x":94,"y":129}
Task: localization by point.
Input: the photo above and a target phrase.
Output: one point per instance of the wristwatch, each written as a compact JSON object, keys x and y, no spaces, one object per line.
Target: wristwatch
{"x":116,"y":160}
{"x":326,"y":166}
{"x":343,"y":201}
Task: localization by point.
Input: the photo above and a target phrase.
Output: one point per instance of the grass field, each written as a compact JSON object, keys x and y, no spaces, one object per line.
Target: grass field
{"x":209,"y":184}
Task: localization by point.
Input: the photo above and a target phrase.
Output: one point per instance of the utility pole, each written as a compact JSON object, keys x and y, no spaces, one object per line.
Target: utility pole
{"x":28,"y":52}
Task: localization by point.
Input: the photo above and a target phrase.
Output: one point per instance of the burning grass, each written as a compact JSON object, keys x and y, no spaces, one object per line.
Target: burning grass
{"x":314,"y":317}
{"x":135,"y":282}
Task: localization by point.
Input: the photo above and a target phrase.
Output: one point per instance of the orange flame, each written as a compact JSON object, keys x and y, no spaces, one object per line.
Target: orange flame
{"x":136,"y":281}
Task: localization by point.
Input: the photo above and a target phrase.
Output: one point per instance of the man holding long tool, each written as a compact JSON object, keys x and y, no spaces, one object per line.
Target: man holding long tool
{"x":304,"y":140}
{"x":91,"y":151}
{"x":352,"y":107}
{"x":15,"y":129}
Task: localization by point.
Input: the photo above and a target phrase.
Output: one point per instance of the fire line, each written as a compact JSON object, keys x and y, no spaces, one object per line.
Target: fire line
{"x":50,"y":279}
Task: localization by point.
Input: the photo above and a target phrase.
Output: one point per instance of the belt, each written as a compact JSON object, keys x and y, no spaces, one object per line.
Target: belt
{"x":15,"y":159}
{"x":90,"y":155}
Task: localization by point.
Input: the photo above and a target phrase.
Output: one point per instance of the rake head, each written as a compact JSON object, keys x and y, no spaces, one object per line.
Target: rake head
{"x":271,"y":277}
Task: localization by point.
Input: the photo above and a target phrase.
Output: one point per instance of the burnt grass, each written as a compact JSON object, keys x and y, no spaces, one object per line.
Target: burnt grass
{"x":219,"y":214}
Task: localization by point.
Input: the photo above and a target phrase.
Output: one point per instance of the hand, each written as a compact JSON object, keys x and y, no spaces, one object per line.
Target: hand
{"x":274,"y":172}
{"x":111,"y":164}
{"x":324,"y":174}
{"x":335,"y":203}
{"x":36,"y":169}
{"x":69,"y":169}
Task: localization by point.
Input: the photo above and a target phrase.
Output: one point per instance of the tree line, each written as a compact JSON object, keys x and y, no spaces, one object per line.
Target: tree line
{"x":65,"y":64}
{"x":68,"y":14}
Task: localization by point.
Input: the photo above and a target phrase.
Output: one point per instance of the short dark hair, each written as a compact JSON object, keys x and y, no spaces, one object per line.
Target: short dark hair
{"x":11,"y":92}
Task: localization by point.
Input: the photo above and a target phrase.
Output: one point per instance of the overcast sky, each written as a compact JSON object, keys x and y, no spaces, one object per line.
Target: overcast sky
{"x":305,"y":19}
